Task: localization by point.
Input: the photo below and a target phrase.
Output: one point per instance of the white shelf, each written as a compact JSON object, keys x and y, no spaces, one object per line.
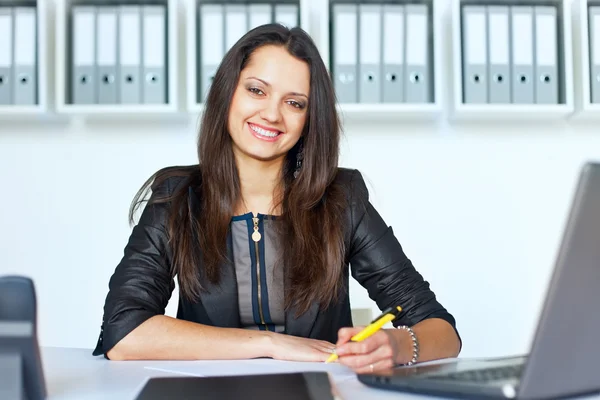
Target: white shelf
{"x":192,"y":68}
{"x":391,"y":111}
{"x":584,"y":108}
{"x":511,"y":112}
{"x":123,"y":111}
{"x":20,"y":112}
{"x":461,"y":111}
{"x":114,"y":110}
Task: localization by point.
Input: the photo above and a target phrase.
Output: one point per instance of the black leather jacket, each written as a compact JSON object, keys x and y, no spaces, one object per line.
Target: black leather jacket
{"x":142,"y":284}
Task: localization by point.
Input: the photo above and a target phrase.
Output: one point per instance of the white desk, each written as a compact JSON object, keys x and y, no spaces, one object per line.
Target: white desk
{"x":74,"y":374}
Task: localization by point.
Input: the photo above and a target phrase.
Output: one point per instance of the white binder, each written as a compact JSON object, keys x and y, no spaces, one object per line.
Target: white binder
{"x":546,"y":57}
{"x":235,"y":24}
{"x":287,"y":15}
{"x":154,"y":49}
{"x":345,"y":51}
{"x":6,"y":55}
{"x":522,"y":54}
{"x":83,"y":36}
{"x":25,"y":56}
{"x":474,"y":40}
{"x":130,"y":55}
{"x":393,"y":53}
{"x":369,"y":87}
{"x":258,"y":14}
{"x":106,"y":54}
{"x":499,"y":55}
{"x":594,"y":36}
{"x":212,"y":44}
{"x":418,"y":72}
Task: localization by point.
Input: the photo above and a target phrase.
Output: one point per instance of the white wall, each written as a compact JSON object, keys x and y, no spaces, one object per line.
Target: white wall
{"x":479,"y":209}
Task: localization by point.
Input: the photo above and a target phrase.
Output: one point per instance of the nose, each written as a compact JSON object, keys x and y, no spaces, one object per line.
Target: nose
{"x":271,"y":111}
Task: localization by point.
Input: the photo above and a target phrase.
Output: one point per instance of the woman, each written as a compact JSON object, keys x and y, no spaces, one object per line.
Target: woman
{"x":261,"y":232}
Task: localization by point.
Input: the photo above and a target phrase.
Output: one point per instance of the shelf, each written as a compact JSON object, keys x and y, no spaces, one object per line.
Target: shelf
{"x":108,"y":110}
{"x":461,"y":111}
{"x":22,"y":113}
{"x":64,"y":105}
{"x":195,"y":106}
{"x":389,"y":112}
{"x":392,"y":111}
{"x":511,"y":112}
{"x":18,"y":111}
{"x":585,"y":110}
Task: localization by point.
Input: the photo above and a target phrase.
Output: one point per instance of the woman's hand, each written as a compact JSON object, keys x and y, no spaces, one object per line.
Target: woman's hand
{"x":294,"y":348}
{"x":377,"y":352}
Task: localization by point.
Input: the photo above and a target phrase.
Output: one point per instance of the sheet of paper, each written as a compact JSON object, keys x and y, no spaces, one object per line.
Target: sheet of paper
{"x":336,"y":371}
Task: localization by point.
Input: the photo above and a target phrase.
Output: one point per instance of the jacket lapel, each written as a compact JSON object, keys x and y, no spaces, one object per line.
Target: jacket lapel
{"x":220,"y":301}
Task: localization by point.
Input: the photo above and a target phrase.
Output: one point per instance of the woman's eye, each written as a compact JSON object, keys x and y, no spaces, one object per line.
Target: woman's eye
{"x":256,"y":90}
{"x":296,"y":104}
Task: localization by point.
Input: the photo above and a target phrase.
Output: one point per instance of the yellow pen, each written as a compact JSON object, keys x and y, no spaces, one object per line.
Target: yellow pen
{"x":386,"y":316}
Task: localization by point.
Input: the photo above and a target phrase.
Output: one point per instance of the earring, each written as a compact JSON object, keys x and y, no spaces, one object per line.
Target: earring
{"x":299,"y":158}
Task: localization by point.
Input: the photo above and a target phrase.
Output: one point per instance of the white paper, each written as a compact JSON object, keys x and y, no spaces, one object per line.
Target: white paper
{"x":336,"y":371}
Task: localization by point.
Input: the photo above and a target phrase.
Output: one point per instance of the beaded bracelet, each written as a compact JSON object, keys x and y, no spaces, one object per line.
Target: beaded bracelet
{"x":415,"y":344}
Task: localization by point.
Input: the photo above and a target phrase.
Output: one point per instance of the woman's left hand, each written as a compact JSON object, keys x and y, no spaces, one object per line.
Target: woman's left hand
{"x":376,"y":352}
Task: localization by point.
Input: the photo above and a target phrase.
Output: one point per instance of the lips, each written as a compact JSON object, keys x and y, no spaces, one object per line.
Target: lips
{"x":264,"y":133}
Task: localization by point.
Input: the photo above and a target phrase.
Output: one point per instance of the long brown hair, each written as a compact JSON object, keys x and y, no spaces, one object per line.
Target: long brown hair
{"x":313,"y":204}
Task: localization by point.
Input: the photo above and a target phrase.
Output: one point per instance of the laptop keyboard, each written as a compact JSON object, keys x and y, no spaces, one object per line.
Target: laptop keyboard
{"x":485,"y":375}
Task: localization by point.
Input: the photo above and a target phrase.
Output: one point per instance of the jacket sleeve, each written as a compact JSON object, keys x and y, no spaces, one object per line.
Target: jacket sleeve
{"x":141,"y":284}
{"x":379,"y":264}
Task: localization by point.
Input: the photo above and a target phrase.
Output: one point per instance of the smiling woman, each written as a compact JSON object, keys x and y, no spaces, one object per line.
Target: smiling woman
{"x":264,"y":232}
{"x":269,"y":102}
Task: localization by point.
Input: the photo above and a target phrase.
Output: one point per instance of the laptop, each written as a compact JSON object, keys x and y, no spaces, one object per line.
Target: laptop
{"x":564,"y":359}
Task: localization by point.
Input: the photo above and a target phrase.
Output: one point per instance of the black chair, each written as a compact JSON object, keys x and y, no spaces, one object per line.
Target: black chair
{"x":21,"y":372}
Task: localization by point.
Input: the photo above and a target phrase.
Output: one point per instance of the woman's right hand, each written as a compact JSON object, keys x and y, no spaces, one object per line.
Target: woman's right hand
{"x":294,"y":348}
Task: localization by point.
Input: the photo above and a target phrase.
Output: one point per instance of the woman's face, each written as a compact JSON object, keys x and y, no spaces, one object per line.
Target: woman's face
{"x":269,"y":105}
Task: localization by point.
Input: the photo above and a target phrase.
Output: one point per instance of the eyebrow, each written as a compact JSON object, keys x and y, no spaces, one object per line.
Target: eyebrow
{"x":269,"y":85}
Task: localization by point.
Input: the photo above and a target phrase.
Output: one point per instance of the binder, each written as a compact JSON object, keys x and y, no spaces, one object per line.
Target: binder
{"x":546,"y":61}
{"x":154,"y":48}
{"x":25,"y":56}
{"x":130,"y":55}
{"x":83,"y":36}
{"x":212,"y":43}
{"x":345,"y":43}
{"x":369,"y":87}
{"x":106,"y":54}
{"x":235,"y":24}
{"x":287,"y":15}
{"x":393,"y":53}
{"x":6,"y":55}
{"x":474,"y":40}
{"x":418,"y":71}
{"x":499,"y":54}
{"x":258,"y":14}
{"x":522,"y":54}
{"x":594,"y":35}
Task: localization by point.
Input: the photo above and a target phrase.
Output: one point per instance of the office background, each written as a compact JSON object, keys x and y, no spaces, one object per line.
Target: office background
{"x":477,"y":195}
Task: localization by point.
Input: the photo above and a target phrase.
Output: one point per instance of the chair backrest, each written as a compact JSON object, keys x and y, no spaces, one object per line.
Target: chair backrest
{"x":19,"y":349}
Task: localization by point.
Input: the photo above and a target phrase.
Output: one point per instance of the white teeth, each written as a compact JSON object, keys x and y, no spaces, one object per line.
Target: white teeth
{"x":263,"y":132}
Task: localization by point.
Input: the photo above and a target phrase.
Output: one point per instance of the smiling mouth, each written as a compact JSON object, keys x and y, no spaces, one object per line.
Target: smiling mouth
{"x":266,"y":133}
